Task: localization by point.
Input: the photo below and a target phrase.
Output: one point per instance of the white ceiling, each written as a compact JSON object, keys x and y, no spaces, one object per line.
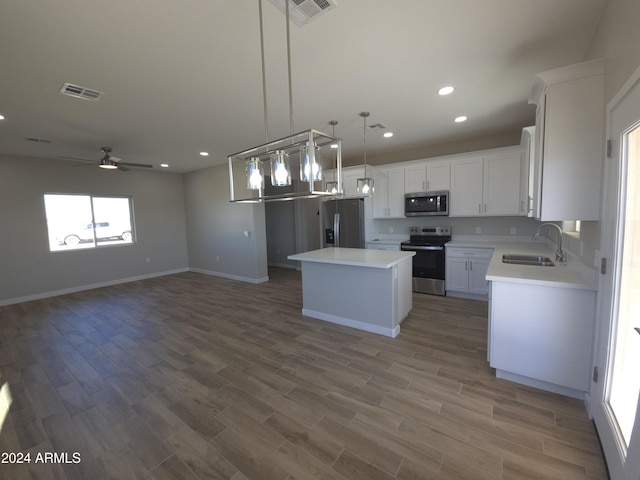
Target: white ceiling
{"x":182,"y":76}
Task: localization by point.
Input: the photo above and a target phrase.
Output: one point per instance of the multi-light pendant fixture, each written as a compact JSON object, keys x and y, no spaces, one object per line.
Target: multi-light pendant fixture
{"x":305,"y":146}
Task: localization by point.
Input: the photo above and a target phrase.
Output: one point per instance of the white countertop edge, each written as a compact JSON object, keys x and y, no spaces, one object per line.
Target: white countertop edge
{"x":572,"y":274}
{"x":357,"y":257}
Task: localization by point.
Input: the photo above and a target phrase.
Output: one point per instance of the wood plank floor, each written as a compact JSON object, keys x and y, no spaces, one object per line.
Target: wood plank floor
{"x":195,"y":377}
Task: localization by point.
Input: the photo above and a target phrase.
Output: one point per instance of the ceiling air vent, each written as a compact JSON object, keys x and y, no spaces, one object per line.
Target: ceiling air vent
{"x":377,"y":126}
{"x":81,"y":92}
{"x":38,"y":140}
{"x":302,"y":12}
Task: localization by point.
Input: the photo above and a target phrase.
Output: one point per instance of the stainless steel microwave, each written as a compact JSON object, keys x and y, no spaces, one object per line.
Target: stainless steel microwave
{"x":426,"y":203}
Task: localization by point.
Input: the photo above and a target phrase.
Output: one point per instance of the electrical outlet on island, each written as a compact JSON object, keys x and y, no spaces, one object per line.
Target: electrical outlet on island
{"x":478,"y":230}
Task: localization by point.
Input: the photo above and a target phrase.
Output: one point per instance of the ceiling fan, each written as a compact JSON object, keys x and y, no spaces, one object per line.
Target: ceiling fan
{"x":110,"y":162}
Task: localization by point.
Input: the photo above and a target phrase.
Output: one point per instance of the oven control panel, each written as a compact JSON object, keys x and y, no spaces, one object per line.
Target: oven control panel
{"x":445,"y":231}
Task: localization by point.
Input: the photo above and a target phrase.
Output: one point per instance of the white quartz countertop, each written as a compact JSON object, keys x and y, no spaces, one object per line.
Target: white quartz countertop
{"x":562,"y":275}
{"x":359,"y":257}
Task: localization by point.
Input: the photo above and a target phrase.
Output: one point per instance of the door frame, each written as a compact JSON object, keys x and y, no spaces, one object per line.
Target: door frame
{"x":602,"y":353}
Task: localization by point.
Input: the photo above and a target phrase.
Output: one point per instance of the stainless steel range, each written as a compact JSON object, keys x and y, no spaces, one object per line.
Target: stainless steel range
{"x":428,"y":263}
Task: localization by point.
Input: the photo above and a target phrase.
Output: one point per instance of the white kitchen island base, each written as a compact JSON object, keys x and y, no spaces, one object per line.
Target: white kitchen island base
{"x":365,"y":289}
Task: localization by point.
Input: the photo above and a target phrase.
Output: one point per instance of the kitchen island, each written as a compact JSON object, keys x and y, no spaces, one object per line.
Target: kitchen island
{"x":360,"y":288}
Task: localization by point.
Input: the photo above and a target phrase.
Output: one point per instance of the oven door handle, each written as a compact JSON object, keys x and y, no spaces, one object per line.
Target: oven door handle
{"x":412,"y":248}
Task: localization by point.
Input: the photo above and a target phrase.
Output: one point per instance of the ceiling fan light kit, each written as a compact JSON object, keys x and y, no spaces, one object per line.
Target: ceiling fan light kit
{"x":109,"y":162}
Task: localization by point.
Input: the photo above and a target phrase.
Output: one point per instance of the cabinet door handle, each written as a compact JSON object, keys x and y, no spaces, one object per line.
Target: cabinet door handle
{"x":485,"y":208}
{"x":425,"y":185}
{"x":466,"y":265}
{"x":479,"y":208}
{"x":470,"y":265}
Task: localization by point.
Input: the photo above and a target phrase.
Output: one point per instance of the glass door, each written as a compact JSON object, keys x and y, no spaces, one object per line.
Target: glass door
{"x":615,"y":396}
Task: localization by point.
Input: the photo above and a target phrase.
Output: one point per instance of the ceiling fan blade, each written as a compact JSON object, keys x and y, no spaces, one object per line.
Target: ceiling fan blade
{"x":138,"y":165}
{"x":124,"y":169}
{"x":77,"y":159}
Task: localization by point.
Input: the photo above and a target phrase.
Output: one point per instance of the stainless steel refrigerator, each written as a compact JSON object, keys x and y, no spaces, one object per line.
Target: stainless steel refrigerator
{"x":343,"y":223}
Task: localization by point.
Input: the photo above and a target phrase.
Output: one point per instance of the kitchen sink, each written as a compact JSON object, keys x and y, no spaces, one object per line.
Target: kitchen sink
{"x":537,"y":260}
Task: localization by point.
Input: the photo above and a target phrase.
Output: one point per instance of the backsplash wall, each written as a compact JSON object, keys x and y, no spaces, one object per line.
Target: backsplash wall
{"x":459,"y":225}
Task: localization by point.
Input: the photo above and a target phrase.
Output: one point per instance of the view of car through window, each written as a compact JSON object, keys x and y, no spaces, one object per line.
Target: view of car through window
{"x":84,"y":221}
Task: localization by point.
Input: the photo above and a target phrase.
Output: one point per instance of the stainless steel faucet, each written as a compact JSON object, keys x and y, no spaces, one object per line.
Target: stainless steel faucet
{"x":560,"y":255}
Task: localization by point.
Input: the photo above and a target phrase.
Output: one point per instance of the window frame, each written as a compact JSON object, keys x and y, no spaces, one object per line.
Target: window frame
{"x":96,"y":242}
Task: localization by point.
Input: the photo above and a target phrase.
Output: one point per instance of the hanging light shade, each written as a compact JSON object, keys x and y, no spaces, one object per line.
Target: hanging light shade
{"x":310,"y":169}
{"x":280,"y":169}
{"x":255,"y":175}
{"x":365,"y":185}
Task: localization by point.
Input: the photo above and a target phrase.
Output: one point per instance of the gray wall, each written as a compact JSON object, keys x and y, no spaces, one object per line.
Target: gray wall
{"x":29,"y":270}
{"x":216,"y":229}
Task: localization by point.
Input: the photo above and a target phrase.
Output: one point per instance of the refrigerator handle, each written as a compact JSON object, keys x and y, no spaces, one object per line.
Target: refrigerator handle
{"x":336,"y":230}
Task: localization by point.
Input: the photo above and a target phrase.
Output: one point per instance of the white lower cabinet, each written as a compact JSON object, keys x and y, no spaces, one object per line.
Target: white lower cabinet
{"x":466,"y":269}
{"x":542,"y":336}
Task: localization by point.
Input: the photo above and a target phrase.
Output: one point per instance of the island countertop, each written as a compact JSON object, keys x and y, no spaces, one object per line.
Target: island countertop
{"x":358,"y":257}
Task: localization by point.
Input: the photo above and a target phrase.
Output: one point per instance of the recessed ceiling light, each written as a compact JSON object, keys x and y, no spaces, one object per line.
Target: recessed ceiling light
{"x":204,"y":154}
{"x":1,"y":117}
{"x":387,"y":134}
{"x":446,"y":90}
{"x":164,"y":165}
{"x":460,"y":119}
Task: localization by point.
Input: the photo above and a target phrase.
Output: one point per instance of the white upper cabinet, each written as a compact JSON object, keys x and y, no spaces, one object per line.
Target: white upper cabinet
{"x":427,"y":176}
{"x":489,"y":185}
{"x":569,"y":141}
{"x":415,"y":178}
{"x":465,"y":197}
{"x":438,"y":175}
{"x":503,"y":184}
{"x":388,"y":196}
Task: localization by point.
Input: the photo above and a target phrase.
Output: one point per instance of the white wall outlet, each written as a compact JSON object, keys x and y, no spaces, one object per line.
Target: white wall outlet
{"x":247,"y":233}
{"x":390,"y":229}
{"x":596,"y":259}
{"x":514,"y":230}
{"x":478,"y":230}
{"x":148,"y":259}
{"x":217,"y":258}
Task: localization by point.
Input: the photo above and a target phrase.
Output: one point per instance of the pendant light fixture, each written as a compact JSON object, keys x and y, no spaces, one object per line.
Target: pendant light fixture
{"x":364,"y":186}
{"x":309,"y":171}
{"x":332,"y":186}
{"x":255,"y":175}
{"x":304,"y":146}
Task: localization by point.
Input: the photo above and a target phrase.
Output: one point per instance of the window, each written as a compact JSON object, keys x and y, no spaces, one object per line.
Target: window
{"x":84,"y":221}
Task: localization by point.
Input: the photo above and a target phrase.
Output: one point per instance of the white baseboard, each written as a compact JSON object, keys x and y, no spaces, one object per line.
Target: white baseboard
{"x":541,"y":384}
{"x":292,"y":266}
{"x":348,"y":322}
{"x":55,"y":293}
{"x":239,"y":278}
